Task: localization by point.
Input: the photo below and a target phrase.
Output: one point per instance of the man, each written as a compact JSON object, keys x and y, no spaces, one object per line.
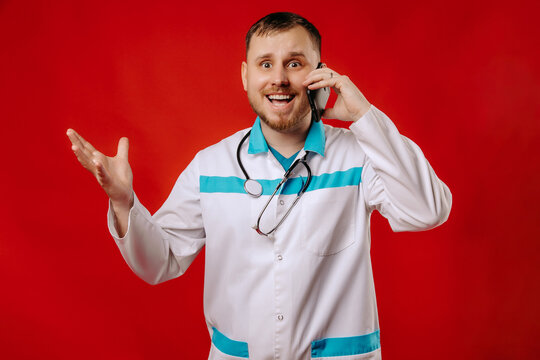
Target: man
{"x":300,"y":285}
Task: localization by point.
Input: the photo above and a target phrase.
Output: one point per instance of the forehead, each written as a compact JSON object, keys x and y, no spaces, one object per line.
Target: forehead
{"x":280,"y":43}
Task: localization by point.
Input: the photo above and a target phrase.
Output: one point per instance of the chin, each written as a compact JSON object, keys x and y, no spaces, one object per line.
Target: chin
{"x":282,"y":125}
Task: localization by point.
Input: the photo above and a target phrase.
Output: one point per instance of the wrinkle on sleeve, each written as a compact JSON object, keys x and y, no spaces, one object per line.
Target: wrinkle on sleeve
{"x":161,"y":247}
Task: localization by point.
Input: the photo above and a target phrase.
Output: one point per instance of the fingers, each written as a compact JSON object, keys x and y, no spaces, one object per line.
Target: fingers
{"x":79,"y":141}
{"x":84,"y":151}
{"x":323,"y":77}
{"x":85,"y":160}
{"x":82,"y":148}
{"x":84,"y":157}
{"x":74,"y":138}
{"x":101,"y":173}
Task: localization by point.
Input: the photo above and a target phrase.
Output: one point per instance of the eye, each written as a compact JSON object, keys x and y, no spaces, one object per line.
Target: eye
{"x":294,"y":64}
{"x":266,"y":65}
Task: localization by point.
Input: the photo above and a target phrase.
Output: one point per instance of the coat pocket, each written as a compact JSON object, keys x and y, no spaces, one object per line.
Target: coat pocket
{"x":328,"y":221}
{"x":361,"y":347}
{"x":224,"y":348}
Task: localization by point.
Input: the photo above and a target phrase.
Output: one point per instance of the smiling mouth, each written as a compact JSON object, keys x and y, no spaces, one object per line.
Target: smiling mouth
{"x":280,"y":99}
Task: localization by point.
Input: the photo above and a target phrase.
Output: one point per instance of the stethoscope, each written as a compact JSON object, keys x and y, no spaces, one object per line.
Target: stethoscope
{"x":255,"y":189}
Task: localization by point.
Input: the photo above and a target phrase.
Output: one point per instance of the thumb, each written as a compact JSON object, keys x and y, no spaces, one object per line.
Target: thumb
{"x":123,"y":148}
{"x":329,"y":113}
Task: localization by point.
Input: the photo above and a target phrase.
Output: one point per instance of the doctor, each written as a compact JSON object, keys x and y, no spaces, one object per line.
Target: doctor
{"x":299,"y":286}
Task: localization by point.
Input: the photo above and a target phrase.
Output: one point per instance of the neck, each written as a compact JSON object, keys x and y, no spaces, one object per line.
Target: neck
{"x":288,"y":142}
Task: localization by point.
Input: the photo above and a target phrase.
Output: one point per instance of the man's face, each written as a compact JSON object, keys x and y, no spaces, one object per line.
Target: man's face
{"x":273,"y":74}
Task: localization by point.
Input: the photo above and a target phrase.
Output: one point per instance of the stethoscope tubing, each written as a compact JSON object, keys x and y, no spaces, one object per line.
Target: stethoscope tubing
{"x":238,"y":155}
{"x":258,"y":193}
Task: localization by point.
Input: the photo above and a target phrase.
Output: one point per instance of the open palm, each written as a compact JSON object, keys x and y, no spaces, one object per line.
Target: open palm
{"x":112,"y":173}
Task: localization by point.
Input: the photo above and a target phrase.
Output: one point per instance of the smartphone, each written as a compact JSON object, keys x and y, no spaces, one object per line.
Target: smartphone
{"x":317,"y":100}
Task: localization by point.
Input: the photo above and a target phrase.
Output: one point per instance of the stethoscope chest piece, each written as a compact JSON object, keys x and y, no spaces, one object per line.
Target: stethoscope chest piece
{"x":253,"y":188}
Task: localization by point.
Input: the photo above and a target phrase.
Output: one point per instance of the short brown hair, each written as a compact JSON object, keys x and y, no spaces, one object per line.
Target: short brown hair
{"x":281,"y":21}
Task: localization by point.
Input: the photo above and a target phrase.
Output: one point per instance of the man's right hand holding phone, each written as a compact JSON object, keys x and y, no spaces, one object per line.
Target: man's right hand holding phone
{"x":350,"y":104}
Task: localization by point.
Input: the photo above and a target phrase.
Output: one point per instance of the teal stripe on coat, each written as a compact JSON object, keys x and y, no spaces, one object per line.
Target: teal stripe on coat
{"x":228,"y":346}
{"x":233,"y":184}
{"x":346,"y":346}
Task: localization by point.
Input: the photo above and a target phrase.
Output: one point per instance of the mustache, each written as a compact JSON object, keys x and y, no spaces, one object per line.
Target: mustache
{"x":280,"y":89}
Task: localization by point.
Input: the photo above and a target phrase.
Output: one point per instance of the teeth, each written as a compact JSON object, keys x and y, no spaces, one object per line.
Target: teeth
{"x":279,"y":97}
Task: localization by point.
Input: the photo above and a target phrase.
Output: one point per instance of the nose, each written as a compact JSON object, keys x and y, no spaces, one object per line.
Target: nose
{"x":280,"y":77}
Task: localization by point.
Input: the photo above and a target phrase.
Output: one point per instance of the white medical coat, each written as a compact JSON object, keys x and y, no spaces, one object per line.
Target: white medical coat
{"x":306,"y":291}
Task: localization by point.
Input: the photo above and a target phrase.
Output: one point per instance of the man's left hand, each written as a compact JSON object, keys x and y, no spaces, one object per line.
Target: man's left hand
{"x":350,"y":104}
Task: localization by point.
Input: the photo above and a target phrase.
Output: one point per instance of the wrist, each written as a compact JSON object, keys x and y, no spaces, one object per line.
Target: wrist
{"x":122,"y":205}
{"x":363,"y":111}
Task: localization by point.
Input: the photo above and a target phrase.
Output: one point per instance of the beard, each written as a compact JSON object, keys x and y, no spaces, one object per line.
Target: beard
{"x":291,"y":123}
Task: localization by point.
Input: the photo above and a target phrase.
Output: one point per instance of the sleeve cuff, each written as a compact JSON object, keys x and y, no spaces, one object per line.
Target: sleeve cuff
{"x":369,"y":114}
{"x":111,"y":219}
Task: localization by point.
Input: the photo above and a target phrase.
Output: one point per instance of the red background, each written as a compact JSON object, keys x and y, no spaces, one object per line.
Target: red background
{"x":461,"y":78}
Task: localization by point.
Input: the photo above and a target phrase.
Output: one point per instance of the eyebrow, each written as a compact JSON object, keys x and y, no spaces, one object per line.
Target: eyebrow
{"x":291,"y":54}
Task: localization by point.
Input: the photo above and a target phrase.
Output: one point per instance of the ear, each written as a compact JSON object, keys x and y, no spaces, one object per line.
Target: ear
{"x":244,"y":75}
